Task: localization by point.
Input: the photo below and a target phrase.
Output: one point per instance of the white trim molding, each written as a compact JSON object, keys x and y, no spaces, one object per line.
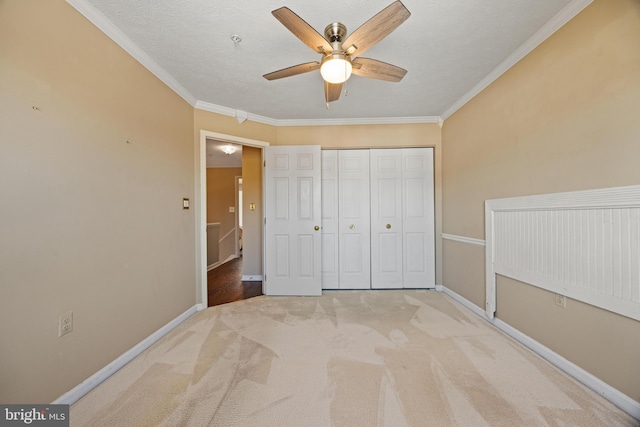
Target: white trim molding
{"x":254,"y":278}
{"x":231,"y":112}
{"x":76,"y":393}
{"x":463,"y":239}
{"x":360,"y":121}
{"x":226,"y":111}
{"x":610,"y":393}
{"x":581,"y":244}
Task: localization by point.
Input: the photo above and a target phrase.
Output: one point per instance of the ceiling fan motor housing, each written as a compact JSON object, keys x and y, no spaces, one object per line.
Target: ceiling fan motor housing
{"x":335,"y":34}
{"x":336,"y":65}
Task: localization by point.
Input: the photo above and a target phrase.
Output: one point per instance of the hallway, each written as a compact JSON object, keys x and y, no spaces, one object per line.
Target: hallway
{"x":224,"y":284}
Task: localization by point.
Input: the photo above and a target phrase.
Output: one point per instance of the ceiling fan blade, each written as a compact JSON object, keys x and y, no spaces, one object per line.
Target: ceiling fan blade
{"x":374,"y":69}
{"x":332,"y":91}
{"x":376,"y":28}
{"x":302,"y":30}
{"x":293,"y":71}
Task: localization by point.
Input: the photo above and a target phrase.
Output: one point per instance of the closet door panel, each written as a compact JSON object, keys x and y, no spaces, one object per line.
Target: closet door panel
{"x":354,"y":222}
{"x":418,"y":218}
{"x":386,"y":218}
{"x":330,"y":221}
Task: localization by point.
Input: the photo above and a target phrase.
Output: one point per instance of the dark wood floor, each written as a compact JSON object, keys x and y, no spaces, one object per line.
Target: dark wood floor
{"x":224,"y":284}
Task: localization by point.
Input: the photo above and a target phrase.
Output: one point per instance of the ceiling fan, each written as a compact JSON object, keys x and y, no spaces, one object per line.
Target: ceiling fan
{"x":340,"y":55}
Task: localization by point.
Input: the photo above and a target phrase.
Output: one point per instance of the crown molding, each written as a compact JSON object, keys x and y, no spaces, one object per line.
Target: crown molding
{"x":554,"y":24}
{"x":232,"y":112}
{"x":360,"y":121}
{"x":226,"y":111}
{"x":103,"y":24}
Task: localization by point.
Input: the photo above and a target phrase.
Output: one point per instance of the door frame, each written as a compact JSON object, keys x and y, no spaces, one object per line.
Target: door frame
{"x":201,"y":206}
{"x":237,"y":183}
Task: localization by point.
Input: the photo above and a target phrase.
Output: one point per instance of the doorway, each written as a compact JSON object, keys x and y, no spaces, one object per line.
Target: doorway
{"x":254,"y":199}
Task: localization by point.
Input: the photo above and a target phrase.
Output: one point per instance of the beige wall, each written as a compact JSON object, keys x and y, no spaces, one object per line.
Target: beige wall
{"x":564,"y":118}
{"x":89,"y":222}
{"x":464,"y":267}
{"x":221,"y":194}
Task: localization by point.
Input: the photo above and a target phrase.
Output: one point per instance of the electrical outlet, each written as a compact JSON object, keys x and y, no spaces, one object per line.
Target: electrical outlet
{"x":65,"y":323}
{"x":561,"y":301}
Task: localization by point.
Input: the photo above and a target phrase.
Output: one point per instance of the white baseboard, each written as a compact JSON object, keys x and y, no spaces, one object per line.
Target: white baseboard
{"x":76,"y":393}
{"x":613,"y":395}
{"x":462,"y":300}
{"x":605,"y":390}
{"x":254,"y":278}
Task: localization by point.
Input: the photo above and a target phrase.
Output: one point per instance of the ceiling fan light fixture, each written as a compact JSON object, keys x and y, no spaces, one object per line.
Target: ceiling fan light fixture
{"x":228,"y":149}
{"x":336,"y":68}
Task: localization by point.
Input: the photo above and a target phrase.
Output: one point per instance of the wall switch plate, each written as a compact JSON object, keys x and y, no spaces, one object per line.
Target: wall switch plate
{"x":232,"y":209}
{"x":65,"y":323}
{"x":561,"y":300}
{"x":185,"y":203}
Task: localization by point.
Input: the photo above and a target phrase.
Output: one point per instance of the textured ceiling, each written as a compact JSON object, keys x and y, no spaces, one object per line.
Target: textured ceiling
{"x":447,"y":46}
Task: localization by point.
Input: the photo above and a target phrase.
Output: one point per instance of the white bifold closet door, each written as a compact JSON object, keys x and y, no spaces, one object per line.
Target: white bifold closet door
{"x":378,"y":219}
{"x":346,"y":260}
{"x":402,"y":218}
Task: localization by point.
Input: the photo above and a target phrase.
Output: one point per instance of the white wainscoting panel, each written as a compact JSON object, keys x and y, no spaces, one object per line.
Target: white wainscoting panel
{"x":585,"y":245}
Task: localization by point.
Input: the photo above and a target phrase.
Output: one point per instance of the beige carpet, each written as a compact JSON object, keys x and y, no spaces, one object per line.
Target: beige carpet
{"x":347,"y":359}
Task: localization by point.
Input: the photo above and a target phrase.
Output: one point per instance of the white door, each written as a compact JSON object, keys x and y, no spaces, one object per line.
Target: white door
{"x":292,"y":228}
{"x":354,"y":224}
{"x":418,"y":218}
{"x":386,"y":218}
{"x":330,"y":227}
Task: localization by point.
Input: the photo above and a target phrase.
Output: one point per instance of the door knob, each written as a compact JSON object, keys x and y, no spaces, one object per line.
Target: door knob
{"x":352,"y":227}
{"x":388,"y":225}
{"x":316,"y":228}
